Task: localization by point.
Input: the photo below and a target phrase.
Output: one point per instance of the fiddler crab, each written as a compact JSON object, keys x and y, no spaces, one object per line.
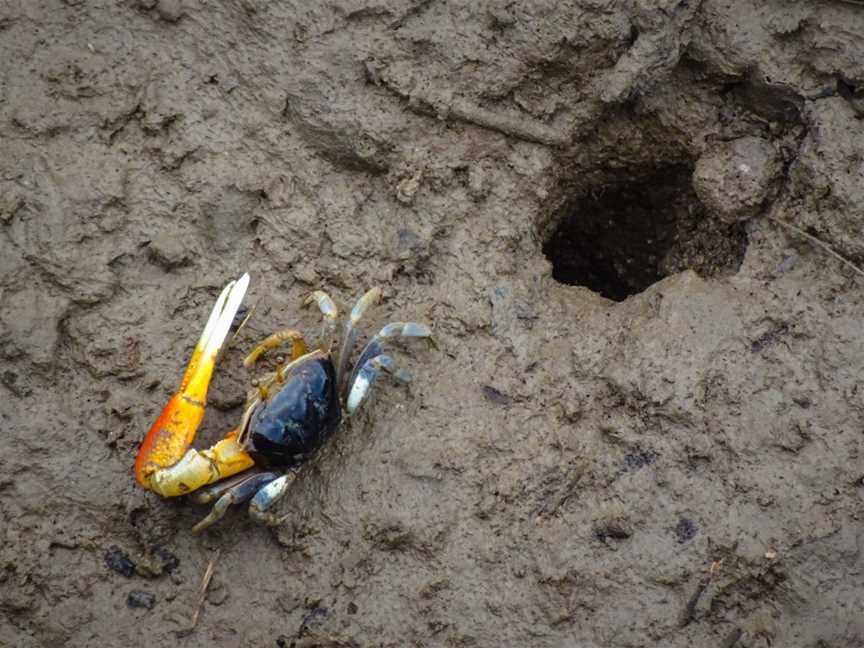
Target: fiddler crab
{"x":289,"y":413}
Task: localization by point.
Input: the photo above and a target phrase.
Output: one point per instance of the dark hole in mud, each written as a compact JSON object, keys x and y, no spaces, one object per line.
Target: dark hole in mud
{"x":639,"y":226}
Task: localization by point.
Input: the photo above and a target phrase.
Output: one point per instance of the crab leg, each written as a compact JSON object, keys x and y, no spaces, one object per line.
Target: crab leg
{"x":236,"y":494}
{"x":365,"y":377}
{"x":371,"y":298}
{"x":213,"y":492}
{"x":376,"y":345}
{"x":274,"y":341}
{"x":331,"y":314}
{"x":393,"y":330}
{"x":267,"y":497}
{"x":165,"y":465}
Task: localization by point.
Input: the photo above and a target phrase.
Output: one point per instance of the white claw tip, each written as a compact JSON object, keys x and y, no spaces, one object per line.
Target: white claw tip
{"x":222,"y":315}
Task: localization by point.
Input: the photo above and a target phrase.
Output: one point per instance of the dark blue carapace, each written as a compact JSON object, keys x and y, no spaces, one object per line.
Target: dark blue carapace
{"x":300,"y":416}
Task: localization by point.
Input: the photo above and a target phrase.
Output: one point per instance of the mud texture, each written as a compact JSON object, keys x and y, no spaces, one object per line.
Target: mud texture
{"x":678,"y":465}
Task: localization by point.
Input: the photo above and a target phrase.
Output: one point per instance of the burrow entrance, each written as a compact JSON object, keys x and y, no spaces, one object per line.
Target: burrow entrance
{"x":638,"y":226}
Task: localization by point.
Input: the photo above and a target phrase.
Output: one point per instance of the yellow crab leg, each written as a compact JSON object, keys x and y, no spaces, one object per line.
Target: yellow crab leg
{"x":164,"y":465}
{"x":331,"y":314}
{"x":274,"y":341}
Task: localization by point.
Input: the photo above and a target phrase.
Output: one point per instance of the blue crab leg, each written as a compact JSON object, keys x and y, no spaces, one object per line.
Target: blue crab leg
{"x":372,"y":297}
{"x":376,"y":345}
{"x":267,"y":497}
{"x":365,"y":377}
{"x":209,"y":494}
{"x":235,"y":494}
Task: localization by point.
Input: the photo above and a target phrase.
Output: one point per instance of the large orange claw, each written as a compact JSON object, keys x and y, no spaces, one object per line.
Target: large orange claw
{"x":168,"y":441}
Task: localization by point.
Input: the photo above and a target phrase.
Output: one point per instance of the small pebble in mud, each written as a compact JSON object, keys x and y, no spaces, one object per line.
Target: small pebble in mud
{"x":117,"y":560}
{"x":734,"y":179}
{"x":314,"y":617}
{"x":9,"y":206}
{"x":157,"y":561}
{"x":616,"y":529}
{"x":139,"y":599}
{"x":685,"y":530}
{"x":10,"y":380}
{"x":305,"y":274}
{"x":170,"y":10}
{"x":407,"y":244}
{"x":217,"y":593}
{"x":408,"y":187}
{"x":788,"y":263}
{"x":168,"y":252}
{"x":478,"y":184}
{"x":639,"y":458}
{"x":494,"y":396}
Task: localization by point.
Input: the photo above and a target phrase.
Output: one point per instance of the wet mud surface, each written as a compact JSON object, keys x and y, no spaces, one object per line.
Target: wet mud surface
{"x":677,"y":465}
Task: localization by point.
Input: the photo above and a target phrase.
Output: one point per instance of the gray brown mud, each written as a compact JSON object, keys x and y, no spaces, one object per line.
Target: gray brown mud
{"x":680,"y":465}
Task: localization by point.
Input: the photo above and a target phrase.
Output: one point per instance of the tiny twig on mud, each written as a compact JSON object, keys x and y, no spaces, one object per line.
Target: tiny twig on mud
{"x":240,"y":326}
{"x":690,"y":608}
{"x":514,"y":125}
{"x":509,"y":123}
{"x":202,"y":591}
{"x":819,"y":243}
